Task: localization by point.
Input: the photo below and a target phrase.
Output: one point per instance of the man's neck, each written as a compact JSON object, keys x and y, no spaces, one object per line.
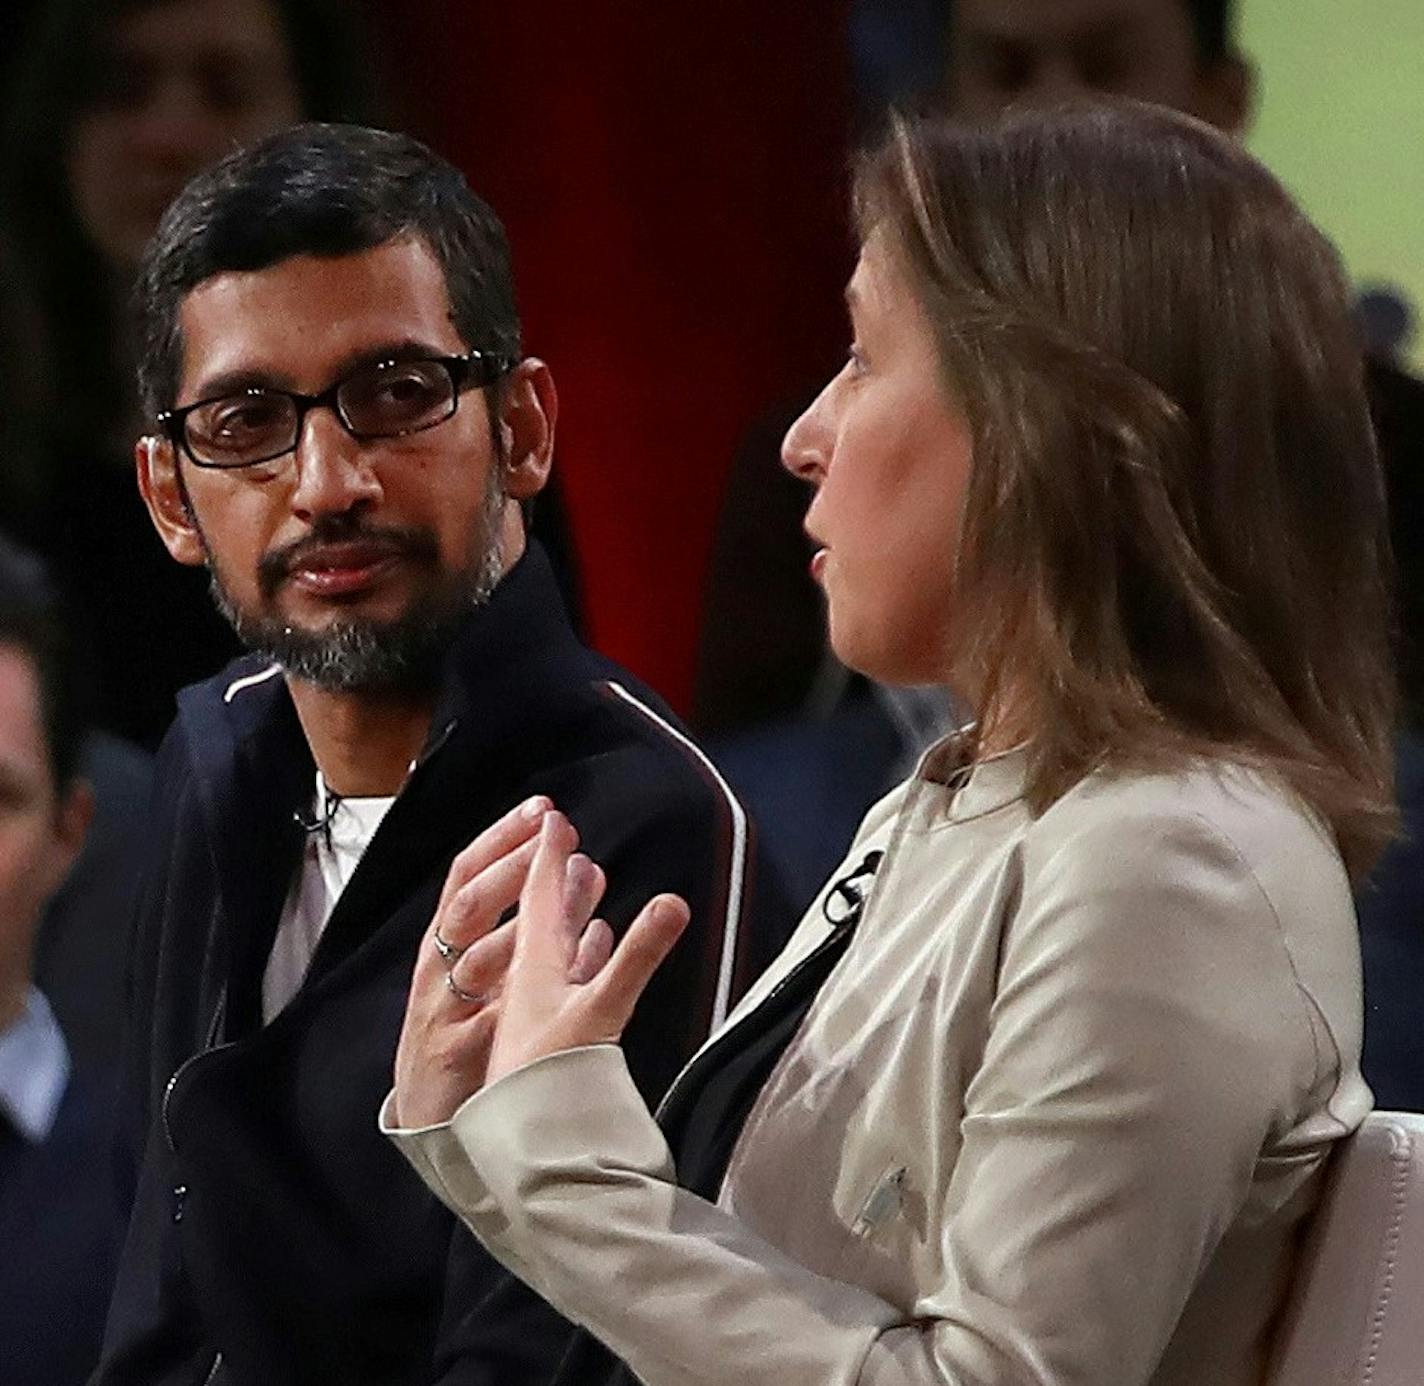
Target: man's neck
{"x":363,"y":745}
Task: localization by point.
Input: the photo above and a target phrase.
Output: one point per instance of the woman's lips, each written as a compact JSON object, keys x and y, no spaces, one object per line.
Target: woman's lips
{"x":818,"y":563}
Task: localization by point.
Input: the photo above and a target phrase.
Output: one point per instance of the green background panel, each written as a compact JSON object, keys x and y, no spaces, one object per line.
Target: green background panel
{"x":1341,"y":119}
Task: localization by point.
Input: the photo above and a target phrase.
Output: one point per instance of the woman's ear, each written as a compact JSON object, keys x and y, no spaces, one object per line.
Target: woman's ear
{"x":529,"y":409}
{"x":167,"y":500}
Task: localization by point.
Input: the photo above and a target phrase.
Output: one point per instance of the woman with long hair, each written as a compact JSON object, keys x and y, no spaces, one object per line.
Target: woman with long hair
{"x":1044,"y":1087}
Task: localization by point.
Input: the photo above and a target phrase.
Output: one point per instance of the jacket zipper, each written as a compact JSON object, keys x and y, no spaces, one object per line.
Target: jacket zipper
{"x":212,"y":1375}
{"x":180,"y":1191}
{"x":838,"y":932}
{"x":705,"y":1058}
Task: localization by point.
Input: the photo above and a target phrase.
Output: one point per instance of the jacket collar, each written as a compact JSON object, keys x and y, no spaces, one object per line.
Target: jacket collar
{"x":974,"y":787}
{"x":508,"y":650}
{"x":512,"y":672}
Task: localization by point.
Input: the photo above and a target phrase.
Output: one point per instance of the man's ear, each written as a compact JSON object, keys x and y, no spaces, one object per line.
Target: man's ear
{"x":529,"y":409}
{"x":73,"y":813}
{"x":1226,"y":95}
{"x":162,"y":490}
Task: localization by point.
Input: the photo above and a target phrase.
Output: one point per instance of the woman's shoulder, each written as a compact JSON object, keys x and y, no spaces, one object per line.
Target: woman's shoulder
{"x":1248,"y":806}
{"x":1210,"y":820}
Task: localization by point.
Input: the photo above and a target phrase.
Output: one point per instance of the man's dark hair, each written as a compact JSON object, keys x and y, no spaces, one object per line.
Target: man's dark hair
{"x":323,"y":190}
{"x":32,"y":621}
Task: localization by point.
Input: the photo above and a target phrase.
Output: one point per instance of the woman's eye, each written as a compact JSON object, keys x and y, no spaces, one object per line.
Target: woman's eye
{"x":855,"y":359}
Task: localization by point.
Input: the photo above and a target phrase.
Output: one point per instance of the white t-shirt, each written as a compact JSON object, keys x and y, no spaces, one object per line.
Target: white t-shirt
{"x":329,"y":860}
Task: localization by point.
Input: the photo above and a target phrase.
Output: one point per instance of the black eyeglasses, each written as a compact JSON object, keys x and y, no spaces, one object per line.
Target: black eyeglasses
{"x":386,"y":400}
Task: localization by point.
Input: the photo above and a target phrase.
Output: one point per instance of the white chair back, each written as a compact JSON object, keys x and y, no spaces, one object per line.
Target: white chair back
{"x":1356,"y":1312}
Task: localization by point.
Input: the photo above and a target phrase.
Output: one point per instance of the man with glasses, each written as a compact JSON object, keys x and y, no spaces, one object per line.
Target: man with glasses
{"x":345,"y":433}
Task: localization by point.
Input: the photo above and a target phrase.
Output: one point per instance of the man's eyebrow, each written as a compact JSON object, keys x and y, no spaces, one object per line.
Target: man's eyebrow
{"x":244,"y":378}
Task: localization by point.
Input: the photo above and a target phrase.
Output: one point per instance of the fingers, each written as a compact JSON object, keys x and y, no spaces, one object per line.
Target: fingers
{"x":650,"y":938}
{"x":475,"y":908}
{"x":595,"y":947}
{"x":545,"y":939}
{"x":481,"y":968}
{"x":483,"y":881}
{"x":584,"y":882}
{"x":517,"y":826}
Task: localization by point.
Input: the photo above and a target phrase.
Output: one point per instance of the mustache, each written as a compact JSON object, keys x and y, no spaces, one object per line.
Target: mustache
{"x":276,"y":564}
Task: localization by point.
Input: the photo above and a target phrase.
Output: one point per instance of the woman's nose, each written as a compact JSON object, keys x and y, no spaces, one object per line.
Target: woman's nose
{"x":806,"y":447}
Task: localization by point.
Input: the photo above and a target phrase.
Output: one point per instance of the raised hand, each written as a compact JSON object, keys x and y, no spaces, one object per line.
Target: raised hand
{"x":567,"y":985}
{"x":487,"y":997}
{"x":460,"y":968}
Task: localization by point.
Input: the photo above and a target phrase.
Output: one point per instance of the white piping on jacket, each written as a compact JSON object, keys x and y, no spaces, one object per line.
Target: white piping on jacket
{"x":737,"y":873}
{"x":237,"y":685}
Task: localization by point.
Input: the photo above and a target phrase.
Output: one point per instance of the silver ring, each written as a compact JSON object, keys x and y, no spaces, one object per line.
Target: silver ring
{"x":470,"y":998}
{"x":448,"y":951}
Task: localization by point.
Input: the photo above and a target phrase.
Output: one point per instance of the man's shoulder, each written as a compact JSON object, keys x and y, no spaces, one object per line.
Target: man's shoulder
{"x":634,"y":734}
{"x":233,"y":685}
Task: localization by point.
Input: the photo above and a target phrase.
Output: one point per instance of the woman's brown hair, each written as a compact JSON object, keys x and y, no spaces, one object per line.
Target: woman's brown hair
{"x":1174,"y":534}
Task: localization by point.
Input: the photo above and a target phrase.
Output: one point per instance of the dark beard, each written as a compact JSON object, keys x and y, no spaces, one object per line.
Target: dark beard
{"x":398,"y":656}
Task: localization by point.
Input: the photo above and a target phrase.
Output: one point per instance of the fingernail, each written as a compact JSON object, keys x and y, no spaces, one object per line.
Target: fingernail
{"x":536,"y":807}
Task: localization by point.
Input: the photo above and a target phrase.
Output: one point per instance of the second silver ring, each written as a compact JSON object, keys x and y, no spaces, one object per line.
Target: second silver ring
{"x":470,"y":998}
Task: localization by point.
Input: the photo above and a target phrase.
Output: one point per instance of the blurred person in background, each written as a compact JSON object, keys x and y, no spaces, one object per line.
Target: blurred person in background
{"x":114,"y":105}
{"x":59,"y":1220}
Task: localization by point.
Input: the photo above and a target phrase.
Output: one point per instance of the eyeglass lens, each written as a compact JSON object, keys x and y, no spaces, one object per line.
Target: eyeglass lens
{"x":378,"y":402}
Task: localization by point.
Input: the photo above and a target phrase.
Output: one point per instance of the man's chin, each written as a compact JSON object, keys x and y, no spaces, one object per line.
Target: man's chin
{"x":359,"y":656}
{"x":354,"y":649}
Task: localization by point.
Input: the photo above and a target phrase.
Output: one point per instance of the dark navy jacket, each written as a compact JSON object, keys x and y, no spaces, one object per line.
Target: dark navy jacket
{"x":58,"y":1224}
{"x":277,"y":1237}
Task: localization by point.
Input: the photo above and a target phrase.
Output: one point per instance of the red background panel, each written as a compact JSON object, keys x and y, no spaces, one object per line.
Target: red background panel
{"x":672,"y":178}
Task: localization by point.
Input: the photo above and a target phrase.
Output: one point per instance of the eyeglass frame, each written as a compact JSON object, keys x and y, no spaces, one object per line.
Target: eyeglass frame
{"x":473,"y":370}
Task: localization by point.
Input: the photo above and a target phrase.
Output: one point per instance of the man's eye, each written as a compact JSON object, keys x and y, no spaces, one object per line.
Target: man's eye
{"x":411,"y":388}
{"x":244,"y":417}
{"x":399,"y":395}
{"x":244,"y":421}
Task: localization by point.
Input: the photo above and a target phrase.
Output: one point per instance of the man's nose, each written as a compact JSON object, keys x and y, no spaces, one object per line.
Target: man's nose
{"x":334,"y":472}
